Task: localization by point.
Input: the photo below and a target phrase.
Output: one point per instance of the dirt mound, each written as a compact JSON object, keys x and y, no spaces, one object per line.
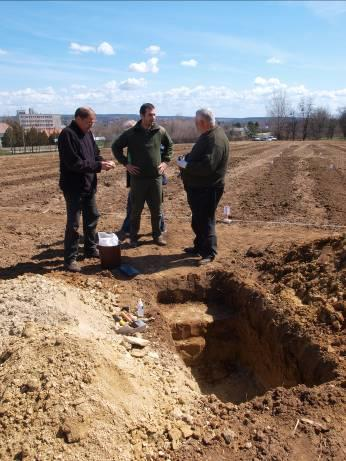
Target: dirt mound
{"x":72,"y":389}
{"x":316,"y":275}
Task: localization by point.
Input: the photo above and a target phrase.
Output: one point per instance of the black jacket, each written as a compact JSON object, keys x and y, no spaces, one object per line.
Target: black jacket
{"x":207,"y":161}
{"x":80,"y":160}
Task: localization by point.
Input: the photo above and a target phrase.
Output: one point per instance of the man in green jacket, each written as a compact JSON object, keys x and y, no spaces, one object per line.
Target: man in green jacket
{"x":146,"y":165}
{"x":203,"y":172}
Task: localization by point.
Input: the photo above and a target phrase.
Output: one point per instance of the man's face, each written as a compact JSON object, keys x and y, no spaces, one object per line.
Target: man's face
{"x":85,"y":124}
{"x":200,"y":124}
{"x":149,"y":118}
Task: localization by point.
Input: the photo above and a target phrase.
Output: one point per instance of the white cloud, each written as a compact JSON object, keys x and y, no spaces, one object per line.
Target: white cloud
{"x":77,"y":48}
{"x":105,"y":48}
{"x":132,"y":84}
{"x":189,"y":63}
{"x":153,"y":50}
{"x":77,"y":86}
{"x":274,"y":60}
{"x":127,"y":85}
{"x":150,"y":66}
{"x":327,"y":10}
{"x":111,"y":85}
{"x":113,"y":96}
{"x":267,"y":81}
{"x":2,"y":52}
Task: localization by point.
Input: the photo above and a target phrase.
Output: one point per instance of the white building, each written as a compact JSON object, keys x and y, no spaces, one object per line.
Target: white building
{"x":3,"y":128}
{"x":49,"y":123}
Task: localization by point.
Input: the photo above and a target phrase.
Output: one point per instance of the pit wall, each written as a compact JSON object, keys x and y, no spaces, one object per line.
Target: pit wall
{"x":257,"y":334}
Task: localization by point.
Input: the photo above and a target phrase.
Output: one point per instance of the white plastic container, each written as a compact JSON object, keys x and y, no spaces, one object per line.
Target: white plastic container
{"x":108,"y":239}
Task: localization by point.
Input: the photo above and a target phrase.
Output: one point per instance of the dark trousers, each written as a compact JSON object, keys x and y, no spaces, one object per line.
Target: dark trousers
{"x":75,"y":204}
{"x":126,"y":224}
{"x":203,"y":202}
{"x":145,"y":190}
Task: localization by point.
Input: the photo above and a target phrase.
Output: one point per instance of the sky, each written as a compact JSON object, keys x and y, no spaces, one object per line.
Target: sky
{"x":180,"y":55}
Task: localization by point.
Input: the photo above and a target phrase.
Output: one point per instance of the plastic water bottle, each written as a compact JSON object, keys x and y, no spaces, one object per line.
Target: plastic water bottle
{"x":140,"y":308}
{"x":227,"y":214}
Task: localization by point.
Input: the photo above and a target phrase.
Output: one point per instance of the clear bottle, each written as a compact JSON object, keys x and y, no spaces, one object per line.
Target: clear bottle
{"x":227,"y":214}
{"x":140,"y":308}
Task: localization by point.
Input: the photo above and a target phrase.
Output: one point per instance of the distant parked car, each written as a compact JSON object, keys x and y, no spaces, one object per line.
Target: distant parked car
{"x":257,"y":138}
{"x":272,"y":138}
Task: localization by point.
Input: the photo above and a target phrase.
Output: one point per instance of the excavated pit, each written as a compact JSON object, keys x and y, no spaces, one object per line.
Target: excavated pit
{"x":236,"y":341}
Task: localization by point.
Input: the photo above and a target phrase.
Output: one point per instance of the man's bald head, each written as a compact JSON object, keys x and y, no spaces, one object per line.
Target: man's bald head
{"x":85,"y":117}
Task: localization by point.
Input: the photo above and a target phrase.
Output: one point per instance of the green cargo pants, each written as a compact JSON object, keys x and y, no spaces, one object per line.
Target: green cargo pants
{"x":145,"y":190}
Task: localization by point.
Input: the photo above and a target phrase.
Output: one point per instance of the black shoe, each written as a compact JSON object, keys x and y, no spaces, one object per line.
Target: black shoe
{"x":191,"y":251}
{"x":160,"y":241}
{"x":134,"y":243}
{"x":122,"y":235}
{"x":92,"y":254}
{"x":72,"y":266}
{"x":205,"y":260}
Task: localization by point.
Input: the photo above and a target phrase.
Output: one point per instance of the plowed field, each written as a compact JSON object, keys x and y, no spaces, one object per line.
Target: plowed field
{"x":251,"y":349}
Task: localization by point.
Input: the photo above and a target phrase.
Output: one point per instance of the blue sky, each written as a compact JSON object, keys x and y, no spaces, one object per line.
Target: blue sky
{"x":230,"y":56}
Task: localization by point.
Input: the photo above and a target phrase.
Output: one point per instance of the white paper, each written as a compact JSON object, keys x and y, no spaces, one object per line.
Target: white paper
{"x":108,"y":239}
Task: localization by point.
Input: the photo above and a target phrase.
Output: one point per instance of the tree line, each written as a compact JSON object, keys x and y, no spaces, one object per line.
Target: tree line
{"x":180,"y":130}
{"x":16,"y":137}
{"x":305,"y":120}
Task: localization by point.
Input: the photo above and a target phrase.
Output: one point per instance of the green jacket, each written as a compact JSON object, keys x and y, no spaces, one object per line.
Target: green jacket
{"x":207,"y":161}
{"x":145,"y":148}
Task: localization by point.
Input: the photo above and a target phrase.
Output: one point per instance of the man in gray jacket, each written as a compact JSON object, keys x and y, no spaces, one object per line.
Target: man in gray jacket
{"x":203,"y":172}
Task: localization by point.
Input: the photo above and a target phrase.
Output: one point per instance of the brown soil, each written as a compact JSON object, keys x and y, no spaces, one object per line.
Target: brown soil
{"x":261,"y":330}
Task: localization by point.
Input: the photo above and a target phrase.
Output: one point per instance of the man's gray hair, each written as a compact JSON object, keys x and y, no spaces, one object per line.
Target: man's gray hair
{"x":207,"y":114}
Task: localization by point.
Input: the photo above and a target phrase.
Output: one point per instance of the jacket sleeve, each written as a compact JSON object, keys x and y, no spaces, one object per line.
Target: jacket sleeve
{"x":209,"y":160}
{"x":118,"y":148}
{"x":166,"y":141}
{"x":70,"y":156}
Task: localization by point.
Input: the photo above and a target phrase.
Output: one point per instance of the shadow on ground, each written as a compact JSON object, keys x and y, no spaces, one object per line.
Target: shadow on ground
{"x":50,"y":259}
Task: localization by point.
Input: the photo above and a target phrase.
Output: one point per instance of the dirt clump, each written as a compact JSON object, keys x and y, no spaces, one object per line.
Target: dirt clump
{"x":315,"y":274}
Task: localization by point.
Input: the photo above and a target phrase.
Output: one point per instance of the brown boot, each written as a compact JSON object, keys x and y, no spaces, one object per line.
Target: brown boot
{"x":73,"y":266}
{"x":160,"y":241}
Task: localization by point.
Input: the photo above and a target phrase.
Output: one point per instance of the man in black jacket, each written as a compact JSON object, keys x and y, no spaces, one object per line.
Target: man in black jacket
{"x":80,"y":161}
{"x":203,"y":172}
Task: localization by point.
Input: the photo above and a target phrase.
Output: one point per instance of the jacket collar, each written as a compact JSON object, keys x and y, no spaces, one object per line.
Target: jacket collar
{"x":139,"y":126}
{"x":76,"y":128}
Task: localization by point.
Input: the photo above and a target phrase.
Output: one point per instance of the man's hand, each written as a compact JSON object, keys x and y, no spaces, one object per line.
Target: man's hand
{"x":107,"y":165}
{"x":132,"y":169}
{"x":162,"y":167}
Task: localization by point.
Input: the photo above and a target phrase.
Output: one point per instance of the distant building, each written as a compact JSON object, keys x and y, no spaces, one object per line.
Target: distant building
{"x":3,"y":128}
{"x":238,"y":133}
{"x":100,"y":141}
{"x":49,"y":123}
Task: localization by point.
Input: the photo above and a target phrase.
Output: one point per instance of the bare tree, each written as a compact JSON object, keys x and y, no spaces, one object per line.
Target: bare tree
{"x":278,"y":111}
{"x":342,"y":121}
{"x":305,"y":108}
{"x":292,"y":124}
{"x":318,"y":122}
{"x":331,"y":126}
